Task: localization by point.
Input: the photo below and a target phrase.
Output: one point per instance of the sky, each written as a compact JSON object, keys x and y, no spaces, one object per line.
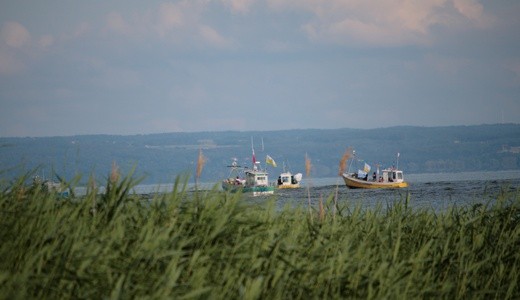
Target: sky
{"x":138,"y":67}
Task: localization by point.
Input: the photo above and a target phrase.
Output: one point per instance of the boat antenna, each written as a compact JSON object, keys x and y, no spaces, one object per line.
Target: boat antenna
{"x":352,"y":160}
{"x":262,"y":144}
{"x":397,"y":162}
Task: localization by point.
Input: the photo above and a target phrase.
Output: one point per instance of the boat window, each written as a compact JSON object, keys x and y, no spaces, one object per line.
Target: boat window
{"x":400,"y":175}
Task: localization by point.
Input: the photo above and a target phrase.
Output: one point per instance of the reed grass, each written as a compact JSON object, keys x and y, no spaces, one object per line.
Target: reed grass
{"x":308,"y":168}
{"x":210,"y":244}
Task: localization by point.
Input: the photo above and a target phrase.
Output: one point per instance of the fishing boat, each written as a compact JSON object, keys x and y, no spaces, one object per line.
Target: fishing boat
{"x":254,"y":180}
{"x":50,"y":186}
{"x":287,"y":180}
{"x":389,"y":178}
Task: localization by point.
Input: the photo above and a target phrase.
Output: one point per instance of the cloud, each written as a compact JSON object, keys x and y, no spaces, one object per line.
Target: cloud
{"x":473,"y":11}
{"x":212,"y":37}
{"x":46,"y":41}
{"x":239,"y":6}
{"x":180,"y":22}
{"x":384,"y":22}
{"x":177,"y":20}
{"x":170,"y":16}
{"x":15,"y":35}
{"x":117,"y":24}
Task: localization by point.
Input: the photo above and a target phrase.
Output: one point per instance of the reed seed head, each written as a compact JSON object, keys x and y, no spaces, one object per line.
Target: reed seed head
{"x":114,"y":173}
{"x":200,"y":163}
{"x":308,"y":165}
{"x":344,"y":159}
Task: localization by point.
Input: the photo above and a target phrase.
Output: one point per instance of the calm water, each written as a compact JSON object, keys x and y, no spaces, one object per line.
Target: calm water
{"x":436,"y":191}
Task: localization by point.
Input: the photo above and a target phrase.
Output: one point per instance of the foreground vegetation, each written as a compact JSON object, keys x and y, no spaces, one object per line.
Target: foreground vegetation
{"x":209,"y":244}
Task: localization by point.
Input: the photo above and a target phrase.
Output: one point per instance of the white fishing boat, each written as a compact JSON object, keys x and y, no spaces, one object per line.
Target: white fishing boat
{"x":247,"y":180}
{"x":50,"y":186}
{"x":287,"y":180}
{"x":254,"y":180}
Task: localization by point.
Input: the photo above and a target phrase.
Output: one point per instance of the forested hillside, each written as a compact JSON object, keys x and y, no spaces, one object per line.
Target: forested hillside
{"x":161,"y":157}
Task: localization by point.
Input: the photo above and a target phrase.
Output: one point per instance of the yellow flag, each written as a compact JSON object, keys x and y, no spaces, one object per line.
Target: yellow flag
{"x":270,"y":160}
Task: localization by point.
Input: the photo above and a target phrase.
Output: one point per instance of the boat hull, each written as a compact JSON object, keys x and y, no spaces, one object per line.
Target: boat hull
{"x":287,"y":180}
{"x":289,"y":186}
{"x":254,"y":190}
{"x":355,"y":183}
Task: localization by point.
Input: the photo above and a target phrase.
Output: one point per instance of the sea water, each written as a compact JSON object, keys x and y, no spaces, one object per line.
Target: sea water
{"x":431,"y":191}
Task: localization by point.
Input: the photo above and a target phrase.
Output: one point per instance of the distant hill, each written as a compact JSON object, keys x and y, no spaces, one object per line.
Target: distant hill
{"x":162,"y":157}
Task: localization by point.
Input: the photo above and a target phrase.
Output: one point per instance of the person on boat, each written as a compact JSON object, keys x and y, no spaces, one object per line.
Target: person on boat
{"x":374,"y":176}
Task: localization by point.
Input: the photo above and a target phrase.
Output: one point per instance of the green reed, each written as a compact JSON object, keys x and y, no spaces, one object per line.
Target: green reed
{"x":209,"y":244}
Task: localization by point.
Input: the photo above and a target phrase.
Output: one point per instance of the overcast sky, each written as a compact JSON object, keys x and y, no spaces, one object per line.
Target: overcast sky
{"x":134,"y":67}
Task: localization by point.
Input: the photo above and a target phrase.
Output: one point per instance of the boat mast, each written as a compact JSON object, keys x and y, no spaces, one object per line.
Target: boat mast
{"x":253,"y":158}
{"x":352,"y":160}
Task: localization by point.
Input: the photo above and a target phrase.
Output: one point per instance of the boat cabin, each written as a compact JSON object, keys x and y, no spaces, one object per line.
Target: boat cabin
{"x":256,"y":178}
{"x":392,"y":175}
{"x":286,"y":179}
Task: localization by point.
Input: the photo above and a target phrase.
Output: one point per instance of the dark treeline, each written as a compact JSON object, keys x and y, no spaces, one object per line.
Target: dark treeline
{"x":161,"y":157}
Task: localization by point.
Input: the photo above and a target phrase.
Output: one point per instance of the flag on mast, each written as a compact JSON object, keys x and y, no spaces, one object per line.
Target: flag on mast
{"x":270,"y":160}
{"x":253,"y":149}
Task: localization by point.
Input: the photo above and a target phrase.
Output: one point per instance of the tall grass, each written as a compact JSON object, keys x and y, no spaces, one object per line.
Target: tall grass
{"x":308,"y":168}
{"x":221,"y":247}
